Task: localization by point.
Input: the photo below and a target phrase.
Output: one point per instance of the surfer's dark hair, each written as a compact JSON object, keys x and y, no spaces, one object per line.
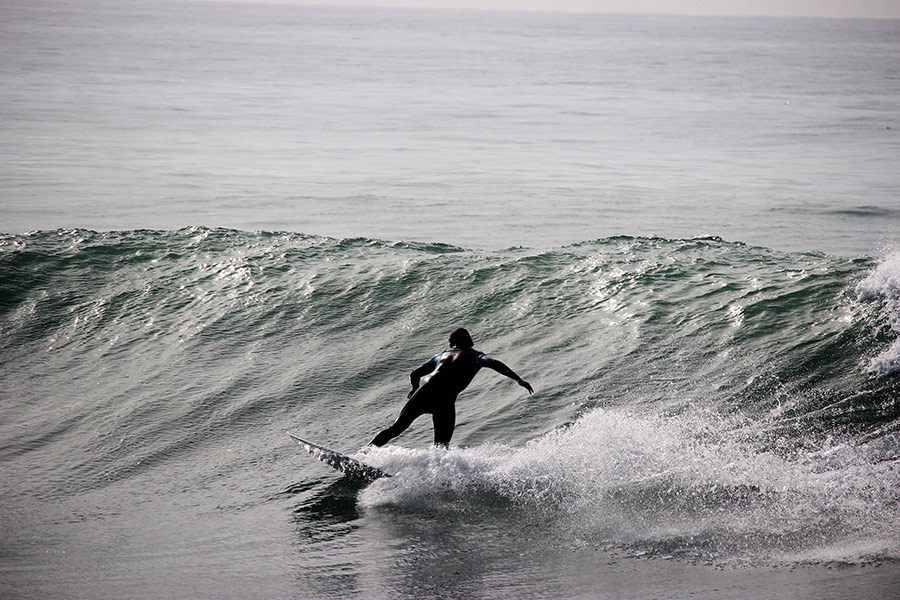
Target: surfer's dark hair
{"x":460,"y":337}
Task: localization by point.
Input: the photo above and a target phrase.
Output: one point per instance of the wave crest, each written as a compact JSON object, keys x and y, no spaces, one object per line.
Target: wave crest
{"x":883,"y":285}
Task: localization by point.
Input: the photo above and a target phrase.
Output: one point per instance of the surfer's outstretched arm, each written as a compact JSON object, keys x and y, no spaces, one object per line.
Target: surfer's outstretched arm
{"x":492,"y":363}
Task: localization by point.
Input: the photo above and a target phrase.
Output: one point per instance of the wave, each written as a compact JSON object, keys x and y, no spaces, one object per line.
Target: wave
{"x":697,"y":398}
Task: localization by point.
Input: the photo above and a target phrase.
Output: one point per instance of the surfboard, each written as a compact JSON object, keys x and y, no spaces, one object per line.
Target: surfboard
{"x":341,"y":462}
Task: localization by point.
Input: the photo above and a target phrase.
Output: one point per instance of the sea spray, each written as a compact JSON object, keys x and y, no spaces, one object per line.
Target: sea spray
{"x":673,"y":486}
{"x":882,"y":286}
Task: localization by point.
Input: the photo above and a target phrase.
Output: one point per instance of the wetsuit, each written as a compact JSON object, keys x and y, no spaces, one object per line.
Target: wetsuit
{"x":451,"y":372}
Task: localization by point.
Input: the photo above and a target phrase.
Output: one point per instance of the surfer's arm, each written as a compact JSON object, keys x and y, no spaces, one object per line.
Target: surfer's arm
{"x":422,"y":371}
{"x":501,"y":368}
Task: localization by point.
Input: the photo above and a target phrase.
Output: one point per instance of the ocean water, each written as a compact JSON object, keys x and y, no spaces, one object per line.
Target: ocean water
{"x":481,"y":129}
{"x":223,"y":222}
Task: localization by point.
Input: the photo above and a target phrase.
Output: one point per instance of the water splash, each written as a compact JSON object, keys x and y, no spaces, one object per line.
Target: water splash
{"x":690,"y":487}
{"x":883,"y":285}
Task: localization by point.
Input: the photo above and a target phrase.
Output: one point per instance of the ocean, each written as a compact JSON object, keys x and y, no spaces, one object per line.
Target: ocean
{"x":223,"y":222}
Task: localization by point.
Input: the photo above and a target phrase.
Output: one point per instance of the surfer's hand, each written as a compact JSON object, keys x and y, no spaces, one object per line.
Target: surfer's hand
{"x":526,"y":385}
{"x":411,"y":392}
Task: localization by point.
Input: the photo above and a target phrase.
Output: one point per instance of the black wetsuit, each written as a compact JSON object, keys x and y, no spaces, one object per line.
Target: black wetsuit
{"x":451,"y":372}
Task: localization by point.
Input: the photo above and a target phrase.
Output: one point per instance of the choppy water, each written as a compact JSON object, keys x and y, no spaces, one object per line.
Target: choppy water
{"x":247,"y":219}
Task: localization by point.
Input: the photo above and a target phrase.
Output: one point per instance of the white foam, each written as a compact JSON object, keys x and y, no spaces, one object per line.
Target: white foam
{"x":690,"y":486}
{"x":884,"y":284}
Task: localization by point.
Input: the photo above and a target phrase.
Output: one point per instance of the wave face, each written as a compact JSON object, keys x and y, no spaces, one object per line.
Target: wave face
{"x":696,"y":398}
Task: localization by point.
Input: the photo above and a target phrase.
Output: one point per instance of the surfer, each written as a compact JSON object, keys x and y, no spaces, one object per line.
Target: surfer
{"x":451,"y":372}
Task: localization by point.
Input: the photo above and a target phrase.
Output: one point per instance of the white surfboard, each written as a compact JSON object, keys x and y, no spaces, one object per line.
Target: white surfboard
{"x":343,"y":463}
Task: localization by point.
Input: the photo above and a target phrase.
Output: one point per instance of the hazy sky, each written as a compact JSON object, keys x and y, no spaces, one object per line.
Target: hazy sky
{"x":815,"y":8}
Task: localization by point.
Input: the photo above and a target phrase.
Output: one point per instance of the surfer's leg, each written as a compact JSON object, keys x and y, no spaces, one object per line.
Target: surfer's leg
{"x":444,"y":419}
{"x":413,"y":409}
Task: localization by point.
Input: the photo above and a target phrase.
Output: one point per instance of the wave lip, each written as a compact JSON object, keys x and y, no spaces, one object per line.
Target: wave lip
{"x":883,"y":285}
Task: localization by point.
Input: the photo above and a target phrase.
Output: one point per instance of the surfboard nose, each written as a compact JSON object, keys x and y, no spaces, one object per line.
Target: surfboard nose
{"x":339,"y":461}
